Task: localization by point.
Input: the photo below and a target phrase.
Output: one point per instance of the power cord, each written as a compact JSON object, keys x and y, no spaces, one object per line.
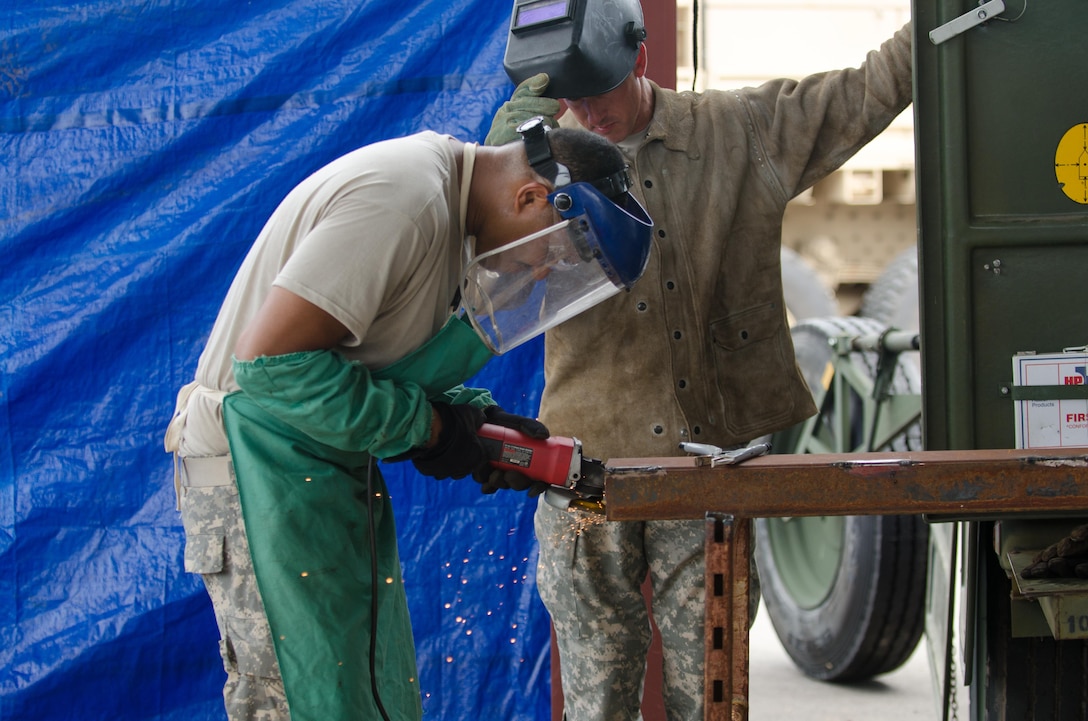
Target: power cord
{"x":373,"y":589}
{"x":1012,"y":20}
{"x":694,"y":43}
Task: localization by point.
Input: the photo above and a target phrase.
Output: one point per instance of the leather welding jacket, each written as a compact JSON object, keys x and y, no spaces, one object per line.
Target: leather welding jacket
{"x":700,"y":348}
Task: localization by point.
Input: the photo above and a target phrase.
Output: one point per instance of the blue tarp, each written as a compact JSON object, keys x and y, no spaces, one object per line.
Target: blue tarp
{"x":143,"y":144}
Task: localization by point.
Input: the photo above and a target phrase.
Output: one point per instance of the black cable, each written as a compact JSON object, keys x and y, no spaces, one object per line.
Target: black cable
{"x":1012,"y":20}
{"x":694,"y":42}
{"x":373,"y":590}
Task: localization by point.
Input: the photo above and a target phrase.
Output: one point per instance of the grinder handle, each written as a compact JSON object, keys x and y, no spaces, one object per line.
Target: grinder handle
{"x":541,"y":459}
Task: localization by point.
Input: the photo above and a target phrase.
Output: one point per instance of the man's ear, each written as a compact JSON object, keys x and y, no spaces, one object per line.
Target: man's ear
{"x":532,"y":196}
{"x":641,"y":61}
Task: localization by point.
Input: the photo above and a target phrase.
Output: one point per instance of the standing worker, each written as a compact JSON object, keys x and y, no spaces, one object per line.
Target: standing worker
{"x":338,"y":343}
{"x":700,"y":349}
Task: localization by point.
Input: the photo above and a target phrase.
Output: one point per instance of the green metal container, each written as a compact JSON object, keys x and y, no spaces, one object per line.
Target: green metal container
{"x":1001,"y":122}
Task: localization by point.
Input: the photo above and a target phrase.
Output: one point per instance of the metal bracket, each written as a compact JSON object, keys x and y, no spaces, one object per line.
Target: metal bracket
{"x":714,"y":456}
{"x":968,"y":20}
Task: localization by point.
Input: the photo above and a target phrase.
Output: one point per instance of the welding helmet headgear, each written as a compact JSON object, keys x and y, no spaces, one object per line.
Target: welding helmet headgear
{"x":587,"y":47}
{"x":600,"y":247}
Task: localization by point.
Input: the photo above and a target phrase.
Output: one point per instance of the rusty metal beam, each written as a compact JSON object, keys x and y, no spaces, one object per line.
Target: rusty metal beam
{"x":957,"y":483}
{"x":974,"y":482}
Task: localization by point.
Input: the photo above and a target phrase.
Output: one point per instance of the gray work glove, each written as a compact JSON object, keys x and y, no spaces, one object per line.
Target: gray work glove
{"x":1068,"y":558}
{"x":526,"y":102}
{"x":492,"y":479}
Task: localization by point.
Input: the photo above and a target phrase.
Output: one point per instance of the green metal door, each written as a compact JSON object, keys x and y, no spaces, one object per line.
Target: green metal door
{"x":1003,"y":229}
{"x":1001,"y":120}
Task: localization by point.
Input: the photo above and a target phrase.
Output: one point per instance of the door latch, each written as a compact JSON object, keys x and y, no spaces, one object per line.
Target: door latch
{"x":968,"y":20}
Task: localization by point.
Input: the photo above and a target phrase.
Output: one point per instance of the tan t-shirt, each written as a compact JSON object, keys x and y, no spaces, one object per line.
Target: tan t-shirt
{"x":374,"y":238}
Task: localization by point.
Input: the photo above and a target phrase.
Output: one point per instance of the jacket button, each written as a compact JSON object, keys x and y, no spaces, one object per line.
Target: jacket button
{"x":677,"y":334}
{"x":648,"y":183}
{"x":641,"y":305}
{"x":658,"y":430}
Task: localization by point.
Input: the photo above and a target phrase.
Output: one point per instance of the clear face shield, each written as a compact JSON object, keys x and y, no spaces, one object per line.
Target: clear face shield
{"x":600,"y":247}
{"x":514,"y":293}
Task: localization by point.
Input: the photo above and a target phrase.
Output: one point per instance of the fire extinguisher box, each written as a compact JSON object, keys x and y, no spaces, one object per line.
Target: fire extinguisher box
{"x":1050,"y":394}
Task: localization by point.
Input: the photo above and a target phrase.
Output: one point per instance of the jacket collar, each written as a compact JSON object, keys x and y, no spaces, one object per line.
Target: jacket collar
{"x":673,"y":122}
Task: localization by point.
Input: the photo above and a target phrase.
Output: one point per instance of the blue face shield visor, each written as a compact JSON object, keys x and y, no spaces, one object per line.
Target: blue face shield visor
{"x":600,"y":247}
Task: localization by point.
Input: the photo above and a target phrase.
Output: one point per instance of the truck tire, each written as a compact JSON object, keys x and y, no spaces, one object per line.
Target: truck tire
{"x":892,"y":299}
{"x":846,"y":595}
{"x":807,"y":296}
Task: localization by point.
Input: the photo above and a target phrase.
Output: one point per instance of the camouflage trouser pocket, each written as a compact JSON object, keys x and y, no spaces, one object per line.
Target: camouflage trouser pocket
{"x":204,"y":553}
{"x":216,"y":547}
{"x":246,"y":648}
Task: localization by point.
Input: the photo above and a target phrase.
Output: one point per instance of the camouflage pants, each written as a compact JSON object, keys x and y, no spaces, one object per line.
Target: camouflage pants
{"x":589,"y":576}
{"x":216,"y":548}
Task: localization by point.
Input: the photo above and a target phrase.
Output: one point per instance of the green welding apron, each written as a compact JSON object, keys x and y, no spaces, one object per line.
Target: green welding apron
{"x":308,"y":515}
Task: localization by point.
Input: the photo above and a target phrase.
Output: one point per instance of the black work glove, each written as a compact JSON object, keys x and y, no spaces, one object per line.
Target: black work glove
{"x":523,"y":424}
{"x":458,"y":451}
{"x":492,"y":479}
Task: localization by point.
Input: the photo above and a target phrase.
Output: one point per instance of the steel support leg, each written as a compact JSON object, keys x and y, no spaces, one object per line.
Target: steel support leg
{"x":725,"y":671}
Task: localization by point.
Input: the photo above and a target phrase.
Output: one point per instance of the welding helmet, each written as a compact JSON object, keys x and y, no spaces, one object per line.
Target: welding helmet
{"x":587,"y":47}
{"x":598,"y":248}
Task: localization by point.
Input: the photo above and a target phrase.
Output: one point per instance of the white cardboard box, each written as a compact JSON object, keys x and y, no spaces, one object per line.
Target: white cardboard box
{"x":1053,"y":423}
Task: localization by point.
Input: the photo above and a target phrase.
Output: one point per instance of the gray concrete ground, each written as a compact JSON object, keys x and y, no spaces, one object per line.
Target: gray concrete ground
{"x":779,"y":691}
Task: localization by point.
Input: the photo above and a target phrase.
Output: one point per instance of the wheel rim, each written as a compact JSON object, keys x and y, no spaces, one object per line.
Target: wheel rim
{"x":807,"y":554}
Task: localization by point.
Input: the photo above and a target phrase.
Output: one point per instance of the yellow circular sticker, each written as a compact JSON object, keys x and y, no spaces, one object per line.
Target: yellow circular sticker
{"x":1071,"y":163}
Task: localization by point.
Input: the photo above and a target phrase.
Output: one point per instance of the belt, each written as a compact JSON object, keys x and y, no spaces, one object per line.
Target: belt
{"x":206,"y":472}
{"x":194,"y":472}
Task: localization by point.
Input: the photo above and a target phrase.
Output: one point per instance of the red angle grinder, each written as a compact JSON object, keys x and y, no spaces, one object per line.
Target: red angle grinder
{"x":576,"y":481}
